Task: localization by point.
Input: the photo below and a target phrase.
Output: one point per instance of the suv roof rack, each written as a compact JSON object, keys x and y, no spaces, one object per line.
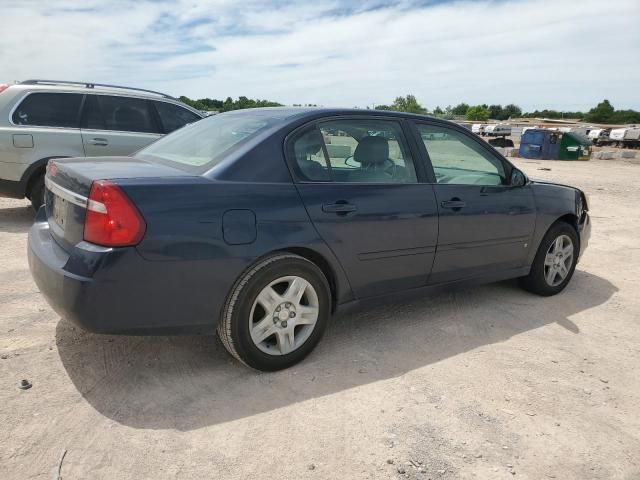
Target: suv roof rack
{"x":92,"y":85}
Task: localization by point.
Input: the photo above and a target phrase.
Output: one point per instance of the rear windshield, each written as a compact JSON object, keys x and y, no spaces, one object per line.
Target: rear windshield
{"x":202,"y":145}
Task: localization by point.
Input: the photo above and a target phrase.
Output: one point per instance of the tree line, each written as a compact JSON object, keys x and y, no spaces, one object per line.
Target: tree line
{"x":212,"y":104}
{"x":604,"y":112}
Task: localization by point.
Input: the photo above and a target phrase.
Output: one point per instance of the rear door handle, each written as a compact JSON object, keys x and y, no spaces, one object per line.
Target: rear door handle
{"x":101,"y":142}
{"x":454,"y":204}
{"x":339,"y":208}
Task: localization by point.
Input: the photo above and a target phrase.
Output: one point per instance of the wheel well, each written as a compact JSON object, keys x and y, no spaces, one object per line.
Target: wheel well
{"x":569,"y":218}
{"x":323,"y":265}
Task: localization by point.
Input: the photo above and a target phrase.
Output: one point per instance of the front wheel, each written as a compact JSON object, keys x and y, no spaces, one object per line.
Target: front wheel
{"x":276,"y":313}
{"x":555,"y":261}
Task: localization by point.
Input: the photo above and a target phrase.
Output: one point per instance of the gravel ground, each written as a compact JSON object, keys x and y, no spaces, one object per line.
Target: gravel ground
{"x":489,"y":382}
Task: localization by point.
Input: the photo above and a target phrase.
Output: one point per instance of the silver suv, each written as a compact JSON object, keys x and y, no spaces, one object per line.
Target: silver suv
{"x":44,"y":119}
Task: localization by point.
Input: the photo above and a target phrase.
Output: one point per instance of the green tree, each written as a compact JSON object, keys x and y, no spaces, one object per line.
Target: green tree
{"x":601,"y":113}
{"x":626,"y":116}
{"x":408,"y":104}
{"x":479,"y":112}
{"x":460,"y":109}
{"x":495,"y":111}
{"x":438,"y":111}
{"x":227,"y":105}
{"x":510,"y":111}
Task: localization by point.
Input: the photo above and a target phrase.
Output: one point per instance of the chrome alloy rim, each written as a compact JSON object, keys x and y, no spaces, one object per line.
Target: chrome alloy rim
{"x":284,"y":315}
{"x":558,"y":260}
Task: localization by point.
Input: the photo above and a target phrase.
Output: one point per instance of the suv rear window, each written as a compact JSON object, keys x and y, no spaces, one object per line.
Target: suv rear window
{"x":174,"y":117}
{"x":48,"y":110}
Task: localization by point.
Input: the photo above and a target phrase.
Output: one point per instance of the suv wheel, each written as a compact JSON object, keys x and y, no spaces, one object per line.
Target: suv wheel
{"x":36,"y":194}
{"x":276,"y":313}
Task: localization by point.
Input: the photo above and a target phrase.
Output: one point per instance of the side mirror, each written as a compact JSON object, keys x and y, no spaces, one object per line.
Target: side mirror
{"x":518,"y":179}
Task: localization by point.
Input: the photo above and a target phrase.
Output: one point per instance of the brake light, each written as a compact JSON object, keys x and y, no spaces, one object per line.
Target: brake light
{"x":112,"y":220}
{"x":3,"y":87}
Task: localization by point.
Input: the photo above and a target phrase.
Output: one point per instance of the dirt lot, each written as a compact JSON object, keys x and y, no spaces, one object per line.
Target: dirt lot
{"x":485,"y":383}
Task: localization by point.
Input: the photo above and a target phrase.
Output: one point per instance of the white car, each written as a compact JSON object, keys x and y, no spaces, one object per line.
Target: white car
{"x":478,"y":128}
{"x":498,"y":130}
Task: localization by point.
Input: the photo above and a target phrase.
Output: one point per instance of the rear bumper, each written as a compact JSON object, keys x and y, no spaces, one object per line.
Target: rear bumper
{"x":114,"y":291}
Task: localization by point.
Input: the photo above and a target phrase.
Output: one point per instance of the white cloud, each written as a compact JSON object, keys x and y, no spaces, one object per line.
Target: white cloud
{"x":538,"y":54}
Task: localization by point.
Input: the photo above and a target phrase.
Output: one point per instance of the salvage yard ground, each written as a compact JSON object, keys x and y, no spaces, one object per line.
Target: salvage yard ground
{"x":489,"y":382}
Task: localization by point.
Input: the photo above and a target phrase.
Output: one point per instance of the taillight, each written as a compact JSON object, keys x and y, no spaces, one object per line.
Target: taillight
{"x":112,"y":220}
{"x":52,"y":169}
{"x":3,"y":87}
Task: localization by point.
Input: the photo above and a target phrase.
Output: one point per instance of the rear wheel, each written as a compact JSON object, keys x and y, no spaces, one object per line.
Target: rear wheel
{"x":36,"y":193}
{"x":276,"y":313}
{"x":555,"y":261}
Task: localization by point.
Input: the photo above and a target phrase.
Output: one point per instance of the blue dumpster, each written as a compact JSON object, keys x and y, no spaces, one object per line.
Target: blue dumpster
{"x":540,"y":143}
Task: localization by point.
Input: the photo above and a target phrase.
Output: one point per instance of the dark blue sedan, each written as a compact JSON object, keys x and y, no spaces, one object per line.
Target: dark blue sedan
{"x":262,"y":223}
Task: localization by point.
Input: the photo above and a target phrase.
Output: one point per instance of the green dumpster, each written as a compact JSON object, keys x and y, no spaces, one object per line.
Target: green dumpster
{"x":574,"y":146}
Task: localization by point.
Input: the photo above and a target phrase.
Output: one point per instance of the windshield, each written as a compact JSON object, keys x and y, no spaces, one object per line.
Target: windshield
{"x":201,"y":145}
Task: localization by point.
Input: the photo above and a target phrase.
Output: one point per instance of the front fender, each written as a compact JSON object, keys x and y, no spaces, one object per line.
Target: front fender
{"x":553,"y":203}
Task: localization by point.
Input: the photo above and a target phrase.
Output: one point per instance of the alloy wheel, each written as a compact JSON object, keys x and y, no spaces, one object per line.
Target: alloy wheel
{"x":283,"y":315}
{"x":558,"y":260}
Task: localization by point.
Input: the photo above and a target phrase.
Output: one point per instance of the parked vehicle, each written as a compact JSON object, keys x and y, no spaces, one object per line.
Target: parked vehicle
{"x":549,"y":144}
{"x":625,"y":137}
{"x":44,"y":119}
{"x":599,"y":136}
{"x":501,"y":142}
{"x":497,"y":130}
{"x":584,"y":131}
{"x":244,"y":223}
{"x":478,"y":128}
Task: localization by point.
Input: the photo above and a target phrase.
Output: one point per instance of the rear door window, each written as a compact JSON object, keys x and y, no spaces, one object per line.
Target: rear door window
{"x":173,"y":116}
{"x":358,"y":151}
{"x":126,"y":114}
{"x":49,"y":110}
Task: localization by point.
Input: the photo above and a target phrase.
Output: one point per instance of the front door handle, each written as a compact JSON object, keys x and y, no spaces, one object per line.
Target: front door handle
{"x":454,"y":204}
{"x":339,"y":207}
{"x":101,"y":142}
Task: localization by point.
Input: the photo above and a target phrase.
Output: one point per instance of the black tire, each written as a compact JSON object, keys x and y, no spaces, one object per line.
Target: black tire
{"x":233,"y":328}
{"x":535,"y":282}
{"x":36,"y":193}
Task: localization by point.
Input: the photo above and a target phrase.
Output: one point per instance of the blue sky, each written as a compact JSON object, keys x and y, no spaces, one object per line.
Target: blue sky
{"x":538,"y":54}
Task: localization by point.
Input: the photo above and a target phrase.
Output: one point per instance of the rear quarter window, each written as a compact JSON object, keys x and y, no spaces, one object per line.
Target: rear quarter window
{"x":48,"y":110}
{"x":173,"y":116}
